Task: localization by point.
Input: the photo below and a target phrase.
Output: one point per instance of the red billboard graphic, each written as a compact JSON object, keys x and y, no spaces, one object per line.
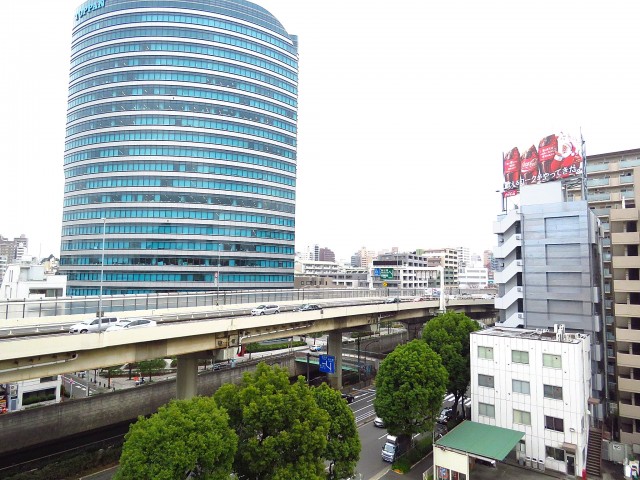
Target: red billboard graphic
{"x":556,"y":157}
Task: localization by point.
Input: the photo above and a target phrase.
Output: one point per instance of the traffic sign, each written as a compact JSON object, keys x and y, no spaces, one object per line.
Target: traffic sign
{"x":327,"y":363}
{"x":385,"y":284}
{"x":386,"y":273}
{"x":376,"y":272}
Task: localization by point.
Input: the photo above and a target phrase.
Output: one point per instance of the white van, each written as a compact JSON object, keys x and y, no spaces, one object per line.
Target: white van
{"x":93,"y":325}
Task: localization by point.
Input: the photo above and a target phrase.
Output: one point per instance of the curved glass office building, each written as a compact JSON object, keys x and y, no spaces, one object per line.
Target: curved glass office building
{"x":180,"y":154}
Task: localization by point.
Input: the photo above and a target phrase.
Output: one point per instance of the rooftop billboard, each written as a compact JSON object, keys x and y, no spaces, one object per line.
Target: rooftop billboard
{"x":556,"y":157}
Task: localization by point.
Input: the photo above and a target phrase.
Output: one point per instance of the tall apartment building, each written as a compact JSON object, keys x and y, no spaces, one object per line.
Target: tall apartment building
{"x":612,"y":189}
{"x":549,"y":271}
{"x":180,"y":153}
{"x":363,"y":258}
{"x":489,"y":262}
{"x":464,"y":257}
{"x":11,"y":251}
{"x":535,"y":381}
{"x":446,"y":258}
{"x":326,"y":255}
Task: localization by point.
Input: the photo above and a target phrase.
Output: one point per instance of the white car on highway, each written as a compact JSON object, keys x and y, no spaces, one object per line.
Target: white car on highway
{"x":93,"y":325}
{"x":266,"y":309}
{"x":128,"y":324}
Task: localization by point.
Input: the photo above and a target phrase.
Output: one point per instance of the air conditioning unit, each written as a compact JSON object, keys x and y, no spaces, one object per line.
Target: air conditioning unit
{"x":520,"y":315}
{"x":233,"y":341}
{"x":519,"y":289}
{"x":519,"y":263}
{"x":517,"y":236}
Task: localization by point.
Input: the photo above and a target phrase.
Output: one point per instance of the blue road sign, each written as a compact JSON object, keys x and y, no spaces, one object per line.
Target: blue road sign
{"x":327,"y":363}
{"x":376,"y":272}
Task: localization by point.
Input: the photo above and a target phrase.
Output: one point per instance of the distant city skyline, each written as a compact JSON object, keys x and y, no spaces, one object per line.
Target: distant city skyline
{"x":402,"y":147}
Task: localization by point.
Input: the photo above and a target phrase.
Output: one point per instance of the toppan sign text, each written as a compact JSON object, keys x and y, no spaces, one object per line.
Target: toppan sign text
{"x":89,"y":7}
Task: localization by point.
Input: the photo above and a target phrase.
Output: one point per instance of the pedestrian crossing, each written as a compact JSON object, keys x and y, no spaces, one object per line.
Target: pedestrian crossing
{"x":450,"y":398}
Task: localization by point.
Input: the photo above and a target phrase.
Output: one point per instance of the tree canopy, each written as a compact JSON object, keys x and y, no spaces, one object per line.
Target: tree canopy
{"x":185,"y":436}
{"x":448,"y":335}
{"x":282,"y":431}
{"x":410,"y":387}
{"x":343,"y":445}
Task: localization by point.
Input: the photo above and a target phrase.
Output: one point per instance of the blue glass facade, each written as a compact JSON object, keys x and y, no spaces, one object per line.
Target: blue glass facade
{"x":180,"y":151}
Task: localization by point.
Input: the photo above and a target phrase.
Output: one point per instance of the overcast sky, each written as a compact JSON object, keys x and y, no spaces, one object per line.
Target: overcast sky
{"x":405,"y":109}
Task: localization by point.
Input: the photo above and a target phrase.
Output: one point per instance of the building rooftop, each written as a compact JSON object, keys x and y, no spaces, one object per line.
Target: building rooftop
{"x":558,"y":335}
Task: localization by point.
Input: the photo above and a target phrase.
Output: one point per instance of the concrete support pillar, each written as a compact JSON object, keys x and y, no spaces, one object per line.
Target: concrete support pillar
{"x":334,"y":348}
{"x":187,"y":378}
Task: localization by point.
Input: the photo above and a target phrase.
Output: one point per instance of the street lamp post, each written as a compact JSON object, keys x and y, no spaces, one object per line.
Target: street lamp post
{"x":218,"y":276}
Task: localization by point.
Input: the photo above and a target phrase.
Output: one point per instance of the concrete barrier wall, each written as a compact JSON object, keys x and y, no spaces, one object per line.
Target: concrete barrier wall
{"x":39,"y":425}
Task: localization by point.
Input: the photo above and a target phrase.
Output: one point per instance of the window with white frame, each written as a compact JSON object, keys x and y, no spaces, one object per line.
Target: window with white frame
{"x":553,"y":423}
{"x":485,"y":352}
{"x":486,"y":410}
{"x":520,"y":386}
{"x":485,"y":381}
{"x":551,"y":361}
{"x":551,"y":391}
{"x":555,"y":453}
{"x":519,"y":356}
{"x":521,"y":417}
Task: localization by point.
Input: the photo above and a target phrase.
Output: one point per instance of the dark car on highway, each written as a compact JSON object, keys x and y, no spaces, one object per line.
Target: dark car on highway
{"x":306,"y":307}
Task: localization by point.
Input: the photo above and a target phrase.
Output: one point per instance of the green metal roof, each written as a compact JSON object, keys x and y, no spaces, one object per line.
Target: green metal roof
{"x":482,"y":440}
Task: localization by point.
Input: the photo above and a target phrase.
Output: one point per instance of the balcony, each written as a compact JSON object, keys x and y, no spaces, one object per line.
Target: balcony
{"x":516,"y":320}
{"x":625,"y":238}
{"x":600,"y":197}
{"x":598,"y":182}
{"x":629,"y":411}
{"x":626,"y":261}
{"x":626,"y":384}
{"x":627,"y":335}
{"x":623,"y":214}
{"x":626,"y":179}
{"x":629,"y":438}
{"x":628,"y":360}
{"x":628,"y":163}
{"x":506,"y":221}
{"x":627,"y":286}
{"x":502,"y":303}
{"x":505,"y":275}
{"x":627,"y":310}
{"x":597,"y":167}
{"x":503,"y":251}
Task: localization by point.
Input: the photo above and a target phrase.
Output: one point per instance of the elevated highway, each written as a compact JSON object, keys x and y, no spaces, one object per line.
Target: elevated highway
{"x":40,"y":347}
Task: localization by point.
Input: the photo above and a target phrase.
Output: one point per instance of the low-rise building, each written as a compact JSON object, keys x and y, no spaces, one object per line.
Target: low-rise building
{"x":537,"y":382}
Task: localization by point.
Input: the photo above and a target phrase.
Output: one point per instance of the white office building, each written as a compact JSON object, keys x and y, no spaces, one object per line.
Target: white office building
{"x":537,"y":382}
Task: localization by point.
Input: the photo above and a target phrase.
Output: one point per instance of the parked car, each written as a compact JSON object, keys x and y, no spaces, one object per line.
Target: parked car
{"x":395,"y":446}
{"x":139,"y":323}
{"x":93,"y":325}
{"x":445,"y":415}
{"x":306,"y":307}
{"x":348,"y":397}
{"x":266,"y":309}
{"x":378,"y":422}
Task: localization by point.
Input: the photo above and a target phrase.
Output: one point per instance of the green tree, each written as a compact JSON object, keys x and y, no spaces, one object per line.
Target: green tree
{"x":410,"y":387}
{"x":448,"y":335}
{"x":149,"y":367}
{"x":343,"y":446}
{"x":282,"y":431}
{"x":185,"y":436}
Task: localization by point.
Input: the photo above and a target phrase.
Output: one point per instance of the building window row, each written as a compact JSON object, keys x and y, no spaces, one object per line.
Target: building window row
{"x":152,"y":105}
{"x":154,"y":260}
{"x":157,"y":229}
{"x":155,"y":151}
{"x":548,"y":359}
{"x":175,"y":277}
{"x":181,"y":62}
{"x":113,"y":93}
{"x":149,"y":166}
{"x":137,"y":213}
{"x":178,"y":136}
{"x":168,"y":44}
{"x":174,"y":120}
{"x":177,"y":183}
{"x":127,"y":19}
